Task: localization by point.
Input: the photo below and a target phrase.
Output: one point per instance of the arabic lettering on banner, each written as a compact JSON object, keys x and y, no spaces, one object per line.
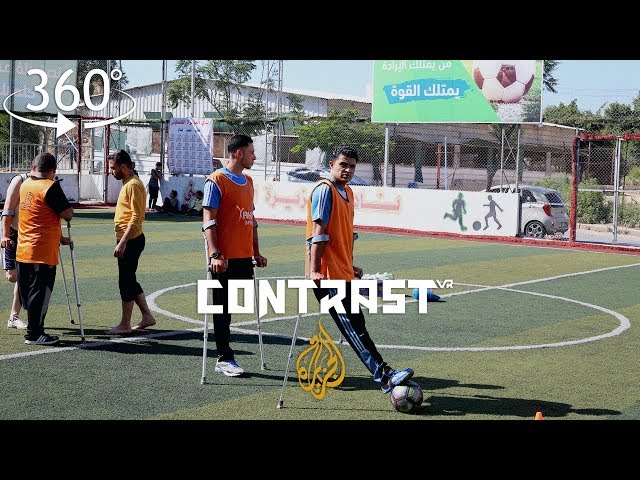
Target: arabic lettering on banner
{"x":425,"y":89}
{"x":189,"y":146}
{"x":321,"y":365}
{"x":298,"y":200}
{"x":378,"y":205}
{"x":24,"y":83}
{"x":451,"y":91}
{"x":433,"y":65}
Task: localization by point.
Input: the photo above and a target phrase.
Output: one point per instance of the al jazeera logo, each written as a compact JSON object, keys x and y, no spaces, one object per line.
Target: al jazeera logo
{"x":320,"y":366}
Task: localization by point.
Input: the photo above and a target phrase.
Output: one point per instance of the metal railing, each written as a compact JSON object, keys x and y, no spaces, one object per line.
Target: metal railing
{"x":24,"y":153}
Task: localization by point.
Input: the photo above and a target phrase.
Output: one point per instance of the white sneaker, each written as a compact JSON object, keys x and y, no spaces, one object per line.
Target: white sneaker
{"x":15,"y":322}
{"x":229,"y":368}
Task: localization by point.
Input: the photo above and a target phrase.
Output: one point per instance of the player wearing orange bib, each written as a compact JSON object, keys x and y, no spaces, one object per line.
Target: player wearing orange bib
{"x":42,"y":204}
{"x":330,"y":212}
{"x":232,"y":238}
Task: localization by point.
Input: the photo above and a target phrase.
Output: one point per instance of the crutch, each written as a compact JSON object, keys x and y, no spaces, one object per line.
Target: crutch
{"x":66,"y":290}
{"x":355,"y":237}
{"x":263,"y":366}
{"x":295,"y":331}
{"x":205,"y":336}
{"x":75,"y":280}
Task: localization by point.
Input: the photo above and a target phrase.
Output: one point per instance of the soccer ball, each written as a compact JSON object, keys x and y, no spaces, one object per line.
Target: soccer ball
{"x":505,"y":81}
{"x":406,"y":397}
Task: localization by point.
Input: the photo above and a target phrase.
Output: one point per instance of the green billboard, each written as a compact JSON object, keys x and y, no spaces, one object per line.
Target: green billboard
{"x":448,"y":91}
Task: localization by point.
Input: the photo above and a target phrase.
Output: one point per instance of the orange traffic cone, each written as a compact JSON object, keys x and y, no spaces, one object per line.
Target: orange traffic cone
{"x":538,"y":416}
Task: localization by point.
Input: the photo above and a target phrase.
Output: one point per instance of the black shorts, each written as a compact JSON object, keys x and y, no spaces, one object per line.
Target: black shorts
{"x":153,"y":192}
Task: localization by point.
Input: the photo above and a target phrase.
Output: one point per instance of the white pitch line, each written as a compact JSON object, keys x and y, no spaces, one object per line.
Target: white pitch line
{"x":624,"y":325}
{"x":98,"y":344}
{"x":624,"y":321}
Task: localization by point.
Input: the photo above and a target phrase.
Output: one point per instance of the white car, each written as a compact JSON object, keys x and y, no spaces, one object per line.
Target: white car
{"x":542,"y":210}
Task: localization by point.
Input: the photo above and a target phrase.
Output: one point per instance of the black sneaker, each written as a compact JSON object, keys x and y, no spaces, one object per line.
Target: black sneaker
{"x":44,"y":339}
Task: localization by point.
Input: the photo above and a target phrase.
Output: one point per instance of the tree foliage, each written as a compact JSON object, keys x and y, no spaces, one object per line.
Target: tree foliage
{"x":96,"y":87}
{"x":24,"y":132}
{"x":225,"y":78}
{"x":549,"y":82}
{"x":342,"y":128}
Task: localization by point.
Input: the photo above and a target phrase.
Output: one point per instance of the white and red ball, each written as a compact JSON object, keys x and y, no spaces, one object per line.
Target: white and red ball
{"x":407,"y":397}
{"x":505,"y":81}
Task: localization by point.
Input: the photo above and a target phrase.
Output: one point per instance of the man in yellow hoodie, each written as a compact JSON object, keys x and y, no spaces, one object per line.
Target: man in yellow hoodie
{"x":130,"y":240}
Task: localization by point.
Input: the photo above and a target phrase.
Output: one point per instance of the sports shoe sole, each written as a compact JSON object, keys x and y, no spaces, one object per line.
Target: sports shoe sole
{"x":228,"y":374}
{"x":40,"y":342}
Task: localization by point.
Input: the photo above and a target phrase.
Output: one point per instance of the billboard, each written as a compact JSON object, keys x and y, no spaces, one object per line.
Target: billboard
{"x":189,"y":146}
{"x":449,"y":91}
{"x":24,"y":84}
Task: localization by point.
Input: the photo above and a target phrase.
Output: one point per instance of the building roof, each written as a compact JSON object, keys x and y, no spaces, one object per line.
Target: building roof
{"x":297,"y":91}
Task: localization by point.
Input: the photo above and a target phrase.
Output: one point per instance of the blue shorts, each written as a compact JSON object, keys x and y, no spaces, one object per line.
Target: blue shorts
{"x":10,"y":252}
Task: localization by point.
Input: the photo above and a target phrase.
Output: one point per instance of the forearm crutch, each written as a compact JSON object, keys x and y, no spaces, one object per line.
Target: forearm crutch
{"x":205,"y":336}
{"x":66,"y":290}
{"x":355,"y":237}
{"x":295,"y":330}
{"x":263,"y":366}
{"x":75,"y":280}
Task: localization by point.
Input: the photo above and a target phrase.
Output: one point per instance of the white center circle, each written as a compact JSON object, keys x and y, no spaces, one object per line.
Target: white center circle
{"x":624,"y":323}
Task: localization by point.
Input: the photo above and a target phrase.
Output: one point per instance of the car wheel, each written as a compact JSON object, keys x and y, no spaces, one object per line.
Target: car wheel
{"x":535,"y":229}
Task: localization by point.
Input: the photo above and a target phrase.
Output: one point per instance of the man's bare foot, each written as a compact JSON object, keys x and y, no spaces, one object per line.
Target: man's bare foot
{"x":119,"y":330}
{"x":147,"y":321}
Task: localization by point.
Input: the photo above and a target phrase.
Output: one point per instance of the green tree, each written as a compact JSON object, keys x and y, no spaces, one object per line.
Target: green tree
{"x":4,"y":127}
{"x":296,"y":108}
{"x":96,"y":86}
{"x":563,"y":114}
{"x":342,"y":128}
{"x":27,"y":133}
{"x":549,"y":82}
{"x":253,"y":115}
{"x":225,"y":77}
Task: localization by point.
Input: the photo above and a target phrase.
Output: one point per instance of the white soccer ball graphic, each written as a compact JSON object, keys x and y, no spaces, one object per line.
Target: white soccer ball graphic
{"x":505,"y":81}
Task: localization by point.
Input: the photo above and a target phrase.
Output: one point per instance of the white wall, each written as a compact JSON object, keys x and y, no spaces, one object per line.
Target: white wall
{"x":69,"y":184}
{"x":401,"y":208}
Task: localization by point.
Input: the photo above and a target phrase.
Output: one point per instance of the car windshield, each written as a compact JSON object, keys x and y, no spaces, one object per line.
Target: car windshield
{"x":305,"y":175}
{"x":554,"y":198}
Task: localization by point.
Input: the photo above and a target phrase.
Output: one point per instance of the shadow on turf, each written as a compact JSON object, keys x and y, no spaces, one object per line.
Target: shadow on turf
{"x":149,"y":216}
{"x":70,"y":336}
{"x":434,"y":404}
{"x":367,"y":383}
{"x":163,"y":346}
{"x":461,"y":405}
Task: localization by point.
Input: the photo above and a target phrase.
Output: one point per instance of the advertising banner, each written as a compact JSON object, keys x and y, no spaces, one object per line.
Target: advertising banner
{"x":449,"y":91}
{"x":189,"y":146}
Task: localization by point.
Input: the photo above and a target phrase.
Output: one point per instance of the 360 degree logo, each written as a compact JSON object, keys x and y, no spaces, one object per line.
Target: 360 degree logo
{"x":62,"y":123}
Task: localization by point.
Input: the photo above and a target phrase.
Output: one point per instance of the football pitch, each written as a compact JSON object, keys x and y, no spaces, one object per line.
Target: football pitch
{"x":525,"y":329}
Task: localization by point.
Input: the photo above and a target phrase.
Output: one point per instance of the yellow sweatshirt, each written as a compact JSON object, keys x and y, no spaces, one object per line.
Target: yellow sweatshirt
{"x":132,"y":201}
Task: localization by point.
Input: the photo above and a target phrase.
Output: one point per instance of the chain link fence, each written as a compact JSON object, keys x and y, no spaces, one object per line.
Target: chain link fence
{"x":608,"y":184}
{"x":294,"y":128}
{"x":34,"y":132}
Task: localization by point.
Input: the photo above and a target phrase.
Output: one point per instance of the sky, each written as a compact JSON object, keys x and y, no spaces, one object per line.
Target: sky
{"x":592,"y":83}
